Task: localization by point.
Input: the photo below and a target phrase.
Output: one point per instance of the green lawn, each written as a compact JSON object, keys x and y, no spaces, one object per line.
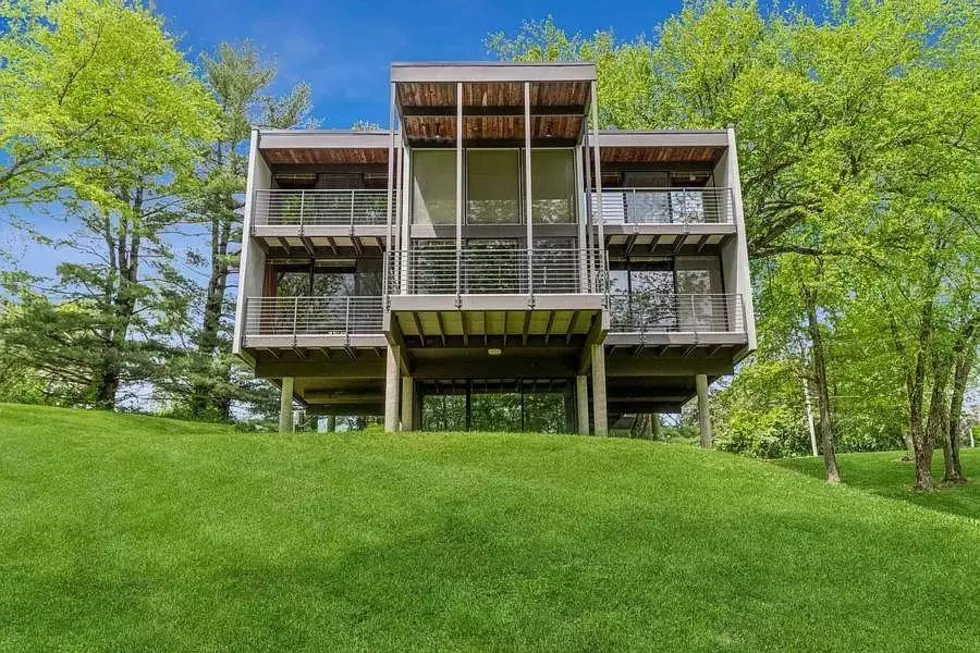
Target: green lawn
{"x":135,"y":534}
{"x":885,"y":474}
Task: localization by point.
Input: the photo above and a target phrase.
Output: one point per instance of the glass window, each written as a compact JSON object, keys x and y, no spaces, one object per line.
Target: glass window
{"x":493,"y":194}
{"x":552,"y":186}
{"x":701,"y":306}
{"x":434,"y":187}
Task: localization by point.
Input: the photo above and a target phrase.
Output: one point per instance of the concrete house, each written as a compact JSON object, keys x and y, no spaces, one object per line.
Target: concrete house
{"x":493,"y":241}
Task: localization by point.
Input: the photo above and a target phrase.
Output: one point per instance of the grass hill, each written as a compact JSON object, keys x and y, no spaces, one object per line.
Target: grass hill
{"x":131,"y":533}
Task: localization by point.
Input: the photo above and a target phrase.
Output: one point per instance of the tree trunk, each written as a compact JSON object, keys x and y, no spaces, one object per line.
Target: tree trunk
{"x":820,"y":385}
{"x":642,"y":428}
{"x":964,"y":355}
{"x":202,"y":392}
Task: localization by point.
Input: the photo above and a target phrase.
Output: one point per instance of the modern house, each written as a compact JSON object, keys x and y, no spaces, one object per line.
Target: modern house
{"x":494,"y":241}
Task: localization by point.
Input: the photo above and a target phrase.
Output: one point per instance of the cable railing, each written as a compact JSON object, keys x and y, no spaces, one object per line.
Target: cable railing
{"x":497,"y":271}
{"x":676,"y":313}
{"x":320,"y":207}
{"x":666,"y":205}
{"x":312,"y":316}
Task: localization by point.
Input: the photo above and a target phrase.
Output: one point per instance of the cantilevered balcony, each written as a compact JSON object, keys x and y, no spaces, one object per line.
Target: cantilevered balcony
{"x":684,"y":320}
{"x":667,"y":220}
{"x":484,"y":293}
{"x":320,"y":221}
{"x":297,"y":324}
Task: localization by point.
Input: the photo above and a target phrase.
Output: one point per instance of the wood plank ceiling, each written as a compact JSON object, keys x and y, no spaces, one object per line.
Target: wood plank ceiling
{"x":493,"y":111}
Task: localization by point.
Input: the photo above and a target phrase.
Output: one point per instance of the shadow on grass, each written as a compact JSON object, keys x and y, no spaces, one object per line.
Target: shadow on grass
{"x":887,"y":475}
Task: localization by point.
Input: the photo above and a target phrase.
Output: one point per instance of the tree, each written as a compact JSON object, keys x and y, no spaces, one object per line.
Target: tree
{"x":239,"y":80}
{"x":857,"y":153}
{"x":108,"y":69}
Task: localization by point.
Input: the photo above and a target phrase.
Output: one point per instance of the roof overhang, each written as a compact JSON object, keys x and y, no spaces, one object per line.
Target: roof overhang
{"x":494,"y":71}
{"x":306,"y":146}
{"x":667,"y":146}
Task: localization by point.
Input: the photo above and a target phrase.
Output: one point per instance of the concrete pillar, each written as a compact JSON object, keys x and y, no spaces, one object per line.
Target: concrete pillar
{"x":655,"y":426}
{"x":408,"y":403}
{"x":599,"y":390}
{"x":391,"y":390}
{"x":286,"y":406}
{"x":704,"y":414}
{"x":582,"y":399}
{"x":331,"y":423}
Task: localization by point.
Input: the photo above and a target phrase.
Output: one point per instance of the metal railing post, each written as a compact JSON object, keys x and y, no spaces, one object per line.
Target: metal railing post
{"x":459,"y":274}
{"x":347,"y":325}
{"x":352,"y":199}
{"x":530,"y":277}
{"x":295,"y":318}
{"x":302,"y":206}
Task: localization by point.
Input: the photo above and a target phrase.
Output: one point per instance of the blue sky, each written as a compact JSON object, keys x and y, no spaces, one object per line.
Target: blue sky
{"x":343,"y":48}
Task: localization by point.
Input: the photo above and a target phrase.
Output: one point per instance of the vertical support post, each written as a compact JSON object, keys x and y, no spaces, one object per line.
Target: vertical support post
{"x":459,"y":188}
{"x":405,"y":196}
{"x":589,"y":206}
{"x":286,"y":406}
{"x":599,"y":390}
{"x":391,"y":390}
{"x":389,"y":236}
{"x":704,"y":414}
{"x":527,"y":189}
{"x":408,"y":403}
{"x":600,"y":219}
{"x":582,"y":402}
{"x":399,"y":192}
{"x":581,"y":213}
{"x":331,"y":423}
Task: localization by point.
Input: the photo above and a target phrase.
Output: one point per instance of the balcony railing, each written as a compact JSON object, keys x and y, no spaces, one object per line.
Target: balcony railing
{"x":312,"y":316}
{"x":673,"y":313}
{"x":666,"y":205}
{"x":495,"y":272}
{"x":281,"y":207}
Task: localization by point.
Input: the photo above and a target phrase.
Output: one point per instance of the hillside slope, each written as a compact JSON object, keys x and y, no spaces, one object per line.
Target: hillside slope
{"x":130,"y":533}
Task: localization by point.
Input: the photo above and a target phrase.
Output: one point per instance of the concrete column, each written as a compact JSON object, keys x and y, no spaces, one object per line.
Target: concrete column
{"x":599,"y":390}
{"x":391,"y":390}
{"x":331,"y":423}
{"x":408,"y":403}
{"x":704,"y":414}
{"x":286,"y":406}
{"x":655,"y":425}
{"x":582,"y":399}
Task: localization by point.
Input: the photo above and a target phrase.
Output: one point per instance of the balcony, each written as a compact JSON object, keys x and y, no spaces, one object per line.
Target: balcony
{"x":667,"y":221}
{"x":677,"y":319}
{"x":320,"y":221}
{"x":448,"y":294}
{"x":297,"y":323}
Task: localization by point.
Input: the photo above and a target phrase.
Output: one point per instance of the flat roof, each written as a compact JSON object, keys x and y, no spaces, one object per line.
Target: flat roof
{"x":492,"y":71}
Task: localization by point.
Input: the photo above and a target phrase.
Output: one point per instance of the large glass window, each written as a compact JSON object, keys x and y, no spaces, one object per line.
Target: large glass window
{"x":553,"y":186}
{"x":700,"y":304}
{"x":434,"y":186}
{"x":493,"y":194}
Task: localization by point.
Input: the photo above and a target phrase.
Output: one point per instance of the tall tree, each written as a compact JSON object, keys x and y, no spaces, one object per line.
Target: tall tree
{"x":108,"y":68}
{"x":239,"y":80}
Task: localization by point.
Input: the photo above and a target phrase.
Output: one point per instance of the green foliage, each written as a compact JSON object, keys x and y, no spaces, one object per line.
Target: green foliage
{"x":859,"y":160}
